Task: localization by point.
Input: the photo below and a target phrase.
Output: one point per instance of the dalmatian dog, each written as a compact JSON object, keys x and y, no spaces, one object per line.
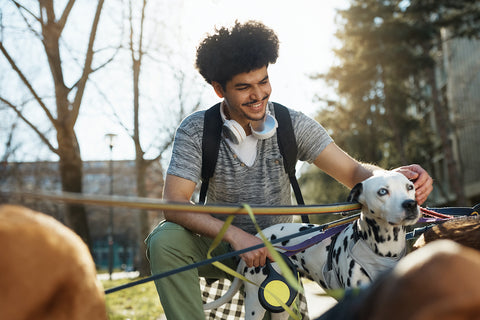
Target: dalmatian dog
{"x":352,"y":258}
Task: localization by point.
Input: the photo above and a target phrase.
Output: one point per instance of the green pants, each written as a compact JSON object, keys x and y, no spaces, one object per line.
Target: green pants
{"x":169,"y":247}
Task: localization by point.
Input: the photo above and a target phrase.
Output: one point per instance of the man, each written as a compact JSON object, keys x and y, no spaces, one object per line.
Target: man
{"x":235,"y":62}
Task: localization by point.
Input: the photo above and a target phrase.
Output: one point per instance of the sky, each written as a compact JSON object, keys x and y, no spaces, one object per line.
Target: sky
{"x":306,"y":31}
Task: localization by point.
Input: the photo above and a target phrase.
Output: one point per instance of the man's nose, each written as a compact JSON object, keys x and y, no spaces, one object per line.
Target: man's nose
{"x":256,"y":94}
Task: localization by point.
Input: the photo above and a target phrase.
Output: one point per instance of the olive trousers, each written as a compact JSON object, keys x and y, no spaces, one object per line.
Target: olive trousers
{"x":170,"y":246}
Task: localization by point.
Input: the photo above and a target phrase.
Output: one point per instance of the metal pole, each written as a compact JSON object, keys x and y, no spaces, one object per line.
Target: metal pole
{"x":110,"y":137}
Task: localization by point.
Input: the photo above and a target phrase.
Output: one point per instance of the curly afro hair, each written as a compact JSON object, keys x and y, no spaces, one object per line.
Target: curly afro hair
{"x":244,"y":48}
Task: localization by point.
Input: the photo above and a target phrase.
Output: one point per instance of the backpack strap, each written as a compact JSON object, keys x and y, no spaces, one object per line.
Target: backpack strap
{"x":288,"y":149}
{"x":212,"y":134}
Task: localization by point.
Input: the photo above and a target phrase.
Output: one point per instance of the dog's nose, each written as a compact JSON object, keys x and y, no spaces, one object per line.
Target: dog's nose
{"x":409,"y":204}
{"x":410,"y":207}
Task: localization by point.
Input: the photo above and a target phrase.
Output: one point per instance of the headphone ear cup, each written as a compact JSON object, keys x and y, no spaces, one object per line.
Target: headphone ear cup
{"x":269,"y":128}
{"x":233,"y":131}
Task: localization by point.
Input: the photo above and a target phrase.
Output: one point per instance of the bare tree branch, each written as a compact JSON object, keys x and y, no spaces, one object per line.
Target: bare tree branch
{"x":66,"y":12}
{"x":27,"y":84}
{"x":114,"y":112}
{"x":20,"y":6}
{"x":30,"y":124}
{"x":21,"y":10}
{"x":117,"y":50}
{"x":87,"y":66}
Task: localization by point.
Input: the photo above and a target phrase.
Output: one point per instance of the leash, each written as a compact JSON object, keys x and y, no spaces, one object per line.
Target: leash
{"x":332,"y":225}
{"x":439,"y":215}
{"x":159,"y":204}
{"x":453,"y":211}
{"x":325,"y":234}
{"x":222,"y":257}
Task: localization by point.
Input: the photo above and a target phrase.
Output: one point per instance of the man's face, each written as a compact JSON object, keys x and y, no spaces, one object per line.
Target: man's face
{"x":246,"y":96}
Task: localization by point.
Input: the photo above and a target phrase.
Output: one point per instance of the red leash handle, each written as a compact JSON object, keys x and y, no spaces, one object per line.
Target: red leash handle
{"x":435,"y":214}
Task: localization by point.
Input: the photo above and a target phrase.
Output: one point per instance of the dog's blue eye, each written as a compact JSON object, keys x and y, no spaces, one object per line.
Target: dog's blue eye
{"x":410,"y":187}
{"x":382,"y":192}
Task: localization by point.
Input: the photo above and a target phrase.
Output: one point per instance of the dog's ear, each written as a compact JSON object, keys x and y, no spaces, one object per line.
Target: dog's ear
{"x":355,"y":193}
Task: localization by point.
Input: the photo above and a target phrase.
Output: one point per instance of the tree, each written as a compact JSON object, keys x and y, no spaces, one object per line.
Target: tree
{"x":462,"y":19}
{"x":47,"y":25}
{"x":386,"y":78}
{"x":140,"y":49}
{"x":374,"y":77}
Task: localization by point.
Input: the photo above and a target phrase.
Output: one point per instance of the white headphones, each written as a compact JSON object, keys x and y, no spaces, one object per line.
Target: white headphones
{"x":234,"y":131}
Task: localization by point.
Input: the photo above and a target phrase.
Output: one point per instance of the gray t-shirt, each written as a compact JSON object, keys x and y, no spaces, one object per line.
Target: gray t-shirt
{"x":263,"y":183}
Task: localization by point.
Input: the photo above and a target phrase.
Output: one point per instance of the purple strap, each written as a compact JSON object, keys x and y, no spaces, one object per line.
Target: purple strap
{"x":290,"y":251}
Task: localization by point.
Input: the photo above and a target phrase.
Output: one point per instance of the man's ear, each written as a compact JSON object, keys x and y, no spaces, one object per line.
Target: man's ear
{"x":355,"y":193}
{"x":218,"y":89}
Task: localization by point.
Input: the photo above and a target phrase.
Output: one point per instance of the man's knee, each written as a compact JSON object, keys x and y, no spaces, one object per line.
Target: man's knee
{"x":167,"y":243}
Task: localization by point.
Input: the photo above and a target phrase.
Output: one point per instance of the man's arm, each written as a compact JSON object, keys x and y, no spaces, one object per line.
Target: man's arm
{"x":348,"y":171}
{"x":342,"y":167}
{"x":180,"y":190}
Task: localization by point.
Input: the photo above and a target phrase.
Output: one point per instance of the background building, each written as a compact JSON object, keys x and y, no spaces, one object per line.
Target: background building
{"x":44,"y":176}
{"x":459,"y":80}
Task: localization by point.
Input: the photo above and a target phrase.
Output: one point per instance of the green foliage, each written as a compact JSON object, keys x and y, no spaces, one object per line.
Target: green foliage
{"x":137,"y":303}
{"x":383,"y":79}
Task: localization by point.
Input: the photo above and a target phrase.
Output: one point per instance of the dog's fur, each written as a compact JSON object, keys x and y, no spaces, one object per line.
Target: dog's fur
{"x":388,"y":205}
{"x":46,"y":271}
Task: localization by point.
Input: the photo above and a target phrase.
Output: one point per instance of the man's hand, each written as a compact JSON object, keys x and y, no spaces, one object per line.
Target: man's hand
{"x":421,"y":179}
{"x":255,"y":258}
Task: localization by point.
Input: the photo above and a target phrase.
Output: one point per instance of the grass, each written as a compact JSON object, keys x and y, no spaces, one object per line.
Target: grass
{"x":136,"y":303}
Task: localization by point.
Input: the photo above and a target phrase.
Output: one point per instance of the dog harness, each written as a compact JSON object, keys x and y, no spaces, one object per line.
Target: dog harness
{"x":361,"y":253}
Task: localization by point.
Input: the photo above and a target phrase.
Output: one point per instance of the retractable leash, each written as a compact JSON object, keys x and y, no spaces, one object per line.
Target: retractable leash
{"x":276,"y":283}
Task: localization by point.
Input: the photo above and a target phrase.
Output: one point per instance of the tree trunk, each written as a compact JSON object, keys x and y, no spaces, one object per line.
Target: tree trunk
{"x":71,"y":172}
{"x":142,"y":264}
{"x":141,"y":165}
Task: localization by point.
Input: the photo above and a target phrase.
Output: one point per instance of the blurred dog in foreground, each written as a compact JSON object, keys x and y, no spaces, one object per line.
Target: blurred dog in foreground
{"x":436,"y":282}
{"x":46,"y":270}
{"x":463,"y":230}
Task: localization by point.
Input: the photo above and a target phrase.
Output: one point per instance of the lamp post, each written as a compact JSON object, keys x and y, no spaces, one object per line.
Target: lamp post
{"x":110,"y":137}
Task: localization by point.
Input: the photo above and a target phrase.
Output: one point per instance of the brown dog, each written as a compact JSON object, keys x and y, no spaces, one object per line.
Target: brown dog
{"x":436,"y":282}
{"x":46,"y":270}
{"x":463,"y":230}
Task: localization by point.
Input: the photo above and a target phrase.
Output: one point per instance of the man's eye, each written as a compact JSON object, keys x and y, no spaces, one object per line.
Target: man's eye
{"x":382,"y":192}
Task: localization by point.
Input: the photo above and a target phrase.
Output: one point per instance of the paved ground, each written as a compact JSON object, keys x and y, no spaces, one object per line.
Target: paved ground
{"x":317,"y":303}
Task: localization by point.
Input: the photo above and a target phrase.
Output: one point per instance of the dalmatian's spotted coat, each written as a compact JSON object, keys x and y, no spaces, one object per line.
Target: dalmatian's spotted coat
{"x":388,"y":205}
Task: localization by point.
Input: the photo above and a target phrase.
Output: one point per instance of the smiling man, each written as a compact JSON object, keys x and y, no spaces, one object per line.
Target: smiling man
{"x":249,"y":166}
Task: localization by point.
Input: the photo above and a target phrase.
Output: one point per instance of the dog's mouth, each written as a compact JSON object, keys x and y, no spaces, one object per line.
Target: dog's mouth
{"x":408,"y":217}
